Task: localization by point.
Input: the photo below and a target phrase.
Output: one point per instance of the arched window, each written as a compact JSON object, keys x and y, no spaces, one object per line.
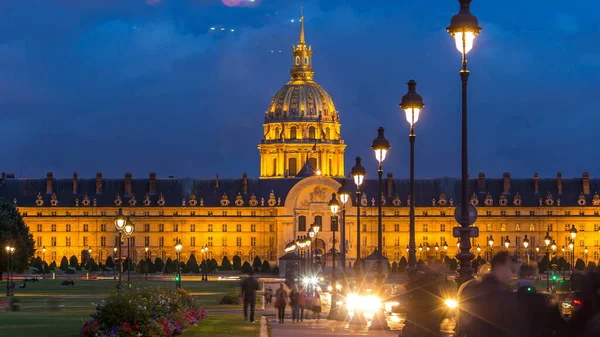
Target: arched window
{"x":517,"y":227}
{"x":503,"y":228}
{"x":252,"y":255}
{"x":327,"y":133}
{"x":397,"y":256}
{"x":297,"y":60}
{"x":239,"y":253}
{"x":311,"y":132}
{"x":277,"y":133}
{"x":302,"y":223}
{"x":271,"y":255}
{"x":224,"y":253}
{"x":293,"y":132}
{"x":532,"y":228}
{"x":319,"y":221}
{"x":306,"y":61}
{"x":292,"y":166}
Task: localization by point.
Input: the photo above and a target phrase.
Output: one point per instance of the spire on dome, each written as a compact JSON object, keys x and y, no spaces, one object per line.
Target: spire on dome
{"x":302,"y":64}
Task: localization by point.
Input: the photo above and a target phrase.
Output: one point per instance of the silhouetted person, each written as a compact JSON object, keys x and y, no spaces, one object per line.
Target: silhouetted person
{"x":280,"y":302}
{"x":488,"y":308}
{"x":534,"y":310}
{"x":249,"y":287}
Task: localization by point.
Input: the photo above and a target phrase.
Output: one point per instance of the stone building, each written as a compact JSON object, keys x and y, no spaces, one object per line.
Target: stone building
{"x":302,"y":164}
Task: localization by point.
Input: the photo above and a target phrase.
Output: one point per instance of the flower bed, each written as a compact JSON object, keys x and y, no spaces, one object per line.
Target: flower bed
{"x":147,"y":313}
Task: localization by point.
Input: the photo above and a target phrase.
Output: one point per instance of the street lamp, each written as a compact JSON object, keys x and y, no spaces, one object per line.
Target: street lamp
{"x":334,"y":206}
{"x":526,"y":244}
{"x":478,"y":250}
{"x":507,"y":242}
{"x":344,"y":194}
{"x":585,"y":251}
{"x":573,"y":233}
{"x":420,"y":251}
{"x":120,"y":221}
{"x":437,"y":247}
{"x":129,"y":227}
{"x":9,"y":250}
{"x":204,"y":252}
{"x":445,"y":249}
{"x":89,"y":262}
{"x":380,"y":146}
{"x":537,"y":253}
{"x":147,"y":264}
{"x":412,"y":104}
{"x":491,"y":243}
{"x":358,"y":173}
{"x":43,"y":262}
{"x":178,"y":249}
{"x":464,"y":27}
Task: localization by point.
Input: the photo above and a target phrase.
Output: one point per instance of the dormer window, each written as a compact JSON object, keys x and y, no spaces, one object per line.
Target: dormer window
{"x":297,"y":60}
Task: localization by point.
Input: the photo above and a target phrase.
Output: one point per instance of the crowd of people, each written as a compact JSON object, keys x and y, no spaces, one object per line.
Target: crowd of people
{"x":300,"y":300}
{"x":489,"y":306}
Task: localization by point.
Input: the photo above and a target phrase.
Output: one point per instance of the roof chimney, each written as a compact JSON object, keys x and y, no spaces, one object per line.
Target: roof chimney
{"x":245,"y":183}
{"x":506,"y":177}
{"x":390,"y":184}
{"x":49,"y":183}
{"x":481,"y":182}
{"x":152,"y":184}
{"x":99,"y":183}
{"x":559,"y":182}
{"x":128,"y":184}
{"x":75,"y":182}
{"x":586,"y":183}
{"x":536,"y":183}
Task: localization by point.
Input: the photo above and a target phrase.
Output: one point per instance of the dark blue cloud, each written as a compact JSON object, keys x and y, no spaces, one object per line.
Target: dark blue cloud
{"x":116,"y":86}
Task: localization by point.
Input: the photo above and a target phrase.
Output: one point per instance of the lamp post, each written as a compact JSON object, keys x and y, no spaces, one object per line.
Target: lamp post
{"x":43,"y":262}
{"x":507,"y":243}
{"x":420,"y":251}
{"x":464,"y":27}
{"x":526,"y":244}
{"x":312,"y":236}
{"x":178,"y":249}
{"x":585,"y":252}
{"x":344,"y":194}
{"x":89,"y":262}
{"x":437,"y":247}
{"x":491,"y":243}
{"x":204,"y":252}
{"x":334,"y":206}
{"x":537,"y":253}
{"x":380,"y":146}
{"x":547,"y":241}
{"x":358,"y":173}
{"x":445,"y":249}
{"x":120,"y":221}
{"x":129,"y":227}
{"x":573,"y":233}
{"x":8,"y":250}
{"x":147,"y":264}
{"x":412,"y":104}
{"x":478,"y":250}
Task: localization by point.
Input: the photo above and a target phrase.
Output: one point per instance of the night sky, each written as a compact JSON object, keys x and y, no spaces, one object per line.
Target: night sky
{"x":136,"y":86}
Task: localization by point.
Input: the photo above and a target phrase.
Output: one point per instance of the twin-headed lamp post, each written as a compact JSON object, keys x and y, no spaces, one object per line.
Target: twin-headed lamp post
{"x":358,"y":173}
{"x":9,"y":251}
{"x":344,"y":194}
{"x":204,"y":252}
{"x":120,"y":221}
{"x":129,"y":227}
{"x":147,"y":264}
{"x":464,"y":27}
{"x":178,"y":248}
{"x":334,"y":206}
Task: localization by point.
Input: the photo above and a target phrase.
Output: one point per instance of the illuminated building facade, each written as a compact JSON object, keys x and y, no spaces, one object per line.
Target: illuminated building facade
{"x":302,"y":164}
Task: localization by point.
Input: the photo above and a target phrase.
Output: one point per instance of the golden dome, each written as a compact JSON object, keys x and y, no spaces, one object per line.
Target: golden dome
{"x":300,"y":100}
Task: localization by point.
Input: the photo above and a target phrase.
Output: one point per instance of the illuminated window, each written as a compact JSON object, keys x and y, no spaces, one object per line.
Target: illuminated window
{"x":224,"y":228}
{"x":517,"y":227}
{"x":85,"y":227}
{"x":161,"y":227}
{"x":503,"y":228}
{"x":293,"y":132}
{"x":311,"y":132}
{"x":68,"y":241}
{"x":175,"y":227}
{"x":532,"y":228}
{"x":193,"y":241}
{"x":442,"y":227}
{"x":68,"y":228}
{"x":253,"y":228}
{"x":238,"y":228}
{"x":253,"y":241}
{"x":210,"y":227}
{"x":224,"y":242}
{"x":396,"y":227}
{"x":53,"y":241}
{"x":297,"y":60}
{"x":161,"y":241}
{"x":192,"y":227}
{"x":39,"y":227}
{"x":85,"y":240}
{"x":425,"y":227}
{"x":210,"y":241}
{"x":238,"y":241}
{"x":103,"y":241}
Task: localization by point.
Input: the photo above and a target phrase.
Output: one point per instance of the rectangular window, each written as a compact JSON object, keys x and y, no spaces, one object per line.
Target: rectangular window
{"x":161,"y":227}
{"x":442,"y":240}
{"x":238,"y":241}
{"x":364,"y":227}
{"x":224,"y":213}
{"x":425,"y":241}
{"x":383,"y":227}
{"x":549,"y":227}
{"x":39,"y":241}
{"x":193,"y":241}
{"x":85,"y":227}
{"x":517,"y":228}
{"x":442,"y":227}
{"x":581,"y":243}
{"x":488,"y":213}
{"x":85,"y":241}
{"x":175,"y":227}
{"x":253,"y":228}
{"x":302,"y":223}
{"x":424,"y":227}
{"x":224,"y":228}
{"x":567,"y":227}
{"x":531,"y":213}
{"x":53,"y":241}
{"x":224,"y":242}
{"x":132,"y":241}
{"x":103,"y":227}
{"x":68,"y":241}
{"x":517,"y":213}
{"x":192,"y":227}
{"x":396,"y":227}
{"x":397,"y":242}
{"x":210,"y":241}
{"x":103,"y":241}
{"x":210,"y":227}
{"x":596,"y":227}
{"x":364,"y":243}
{"x":549,"y":213}
{"x":39,"y":227}
{"x":502,"y":213}
{"x":253,"y":241}
{"x":68,"y":228}
{"x":253,"y":213}
{"x":146,"y":227}
{"x":567,"y":212}
{"x":161,"y":241}
{"x":238,"y":228}
{"x":239,"y":213}
{"x":271,"y":228}
{"x":582,"y":227}
{"x":146,"y":241}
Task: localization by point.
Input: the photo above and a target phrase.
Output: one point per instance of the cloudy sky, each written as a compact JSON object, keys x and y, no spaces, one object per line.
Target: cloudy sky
{"x":137,"y":86}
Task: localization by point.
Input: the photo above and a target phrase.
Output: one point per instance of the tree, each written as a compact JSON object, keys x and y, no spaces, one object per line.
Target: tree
{"x":592,"y":265}
{"x":92,"y":265}
{"x":53,"y":265}
{"x":151,"y":268}
{"x":225,"y":263}
{"x":212,"y":265}
{"x":74,"y":263}
{"x":395,"y":267}
{"x":110,"y":263}
{"x":15,"y":233}
{"x":402,"y":264}
{"x":159,"y":265}
{"x":237,"y":263}
{"x":37,"y":264}
{"x":257,"y":264}
{"x":579,"y":264}
{"x":64,"y":264}
{"x":246,"y":268}
{"x":192,"y":265}
{"x":266,"y":267}
{"x":544,"y":264}
{"x":275,"y":270}
{"x":169,"y":267}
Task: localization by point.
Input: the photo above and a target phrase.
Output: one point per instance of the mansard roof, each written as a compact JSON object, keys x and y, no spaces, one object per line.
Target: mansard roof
{"x":211,"y":192}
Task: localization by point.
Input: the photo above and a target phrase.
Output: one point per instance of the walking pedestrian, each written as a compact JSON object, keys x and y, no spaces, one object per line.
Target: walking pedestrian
{"x":316,"y":306}
{"x":294,"y":294}
{"x":249,"y":287}
{"x":268,"y":295}
{"x":280,"y":302}
{"x":534,"y":309}
{"x":488,"y":307}
{"x":302,"y":298}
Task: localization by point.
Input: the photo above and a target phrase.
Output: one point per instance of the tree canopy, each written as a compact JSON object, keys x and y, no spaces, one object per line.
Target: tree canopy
{"x":14,"y":233}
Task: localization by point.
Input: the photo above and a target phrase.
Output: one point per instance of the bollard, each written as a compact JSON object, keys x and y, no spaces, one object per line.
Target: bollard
{"x":54,"y":276}
{"x":87,"y":276}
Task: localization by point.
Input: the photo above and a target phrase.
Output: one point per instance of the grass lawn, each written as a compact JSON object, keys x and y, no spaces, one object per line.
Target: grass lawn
{"x":49,"y":309}
{"x":221,"y":325}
